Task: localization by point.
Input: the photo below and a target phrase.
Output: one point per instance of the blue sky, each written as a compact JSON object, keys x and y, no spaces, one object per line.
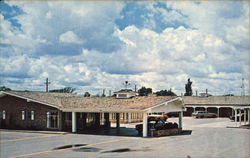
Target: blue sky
{"x":95,"y":45}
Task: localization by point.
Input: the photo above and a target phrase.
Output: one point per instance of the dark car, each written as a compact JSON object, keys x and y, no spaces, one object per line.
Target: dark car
{"x":156,"y":124}
{"x":238,"y":117}
{"x":173,"y":114}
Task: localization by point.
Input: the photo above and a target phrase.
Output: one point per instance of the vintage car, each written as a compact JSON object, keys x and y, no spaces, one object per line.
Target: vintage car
{"x":173,"y":114}
{"x":203,"y":114}
{"x":155,"y":123}
{"x":159,"y":115}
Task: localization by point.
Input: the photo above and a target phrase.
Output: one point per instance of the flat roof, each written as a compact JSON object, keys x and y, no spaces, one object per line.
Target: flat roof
{"x":217,"y":100}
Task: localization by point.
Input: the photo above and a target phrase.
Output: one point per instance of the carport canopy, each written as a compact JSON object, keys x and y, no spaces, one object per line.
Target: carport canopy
{"x":173,"y":105}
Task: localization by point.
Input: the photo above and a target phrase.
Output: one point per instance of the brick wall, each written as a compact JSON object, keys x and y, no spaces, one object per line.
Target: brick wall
{"x":14,"y":106}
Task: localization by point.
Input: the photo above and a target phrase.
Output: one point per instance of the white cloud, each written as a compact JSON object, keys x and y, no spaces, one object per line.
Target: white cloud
{"x":161,"y":58}
{"x":207,"y":51}
{"x":70,"y":37}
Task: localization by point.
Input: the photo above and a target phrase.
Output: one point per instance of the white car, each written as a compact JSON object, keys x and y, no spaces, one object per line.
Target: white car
{"x":203,"y":114}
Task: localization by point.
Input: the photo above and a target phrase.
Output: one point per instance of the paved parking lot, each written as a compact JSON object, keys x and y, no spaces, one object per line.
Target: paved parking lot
{"x":203,"y":138}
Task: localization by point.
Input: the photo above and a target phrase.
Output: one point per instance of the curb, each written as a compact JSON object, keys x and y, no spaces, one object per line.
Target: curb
{"x":238,"y":127}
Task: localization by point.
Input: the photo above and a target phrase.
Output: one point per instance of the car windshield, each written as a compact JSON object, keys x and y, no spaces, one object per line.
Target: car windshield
{"x":160,"y":122}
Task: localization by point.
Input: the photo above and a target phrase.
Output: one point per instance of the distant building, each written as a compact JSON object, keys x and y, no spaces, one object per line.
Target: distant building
{"x":223,"y":106}
{"x":125,"y":93}
{"x":205,"y":95}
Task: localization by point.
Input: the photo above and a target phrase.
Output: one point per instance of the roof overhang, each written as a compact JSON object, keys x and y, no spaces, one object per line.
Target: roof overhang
{"x":98,"y":110}
{"x":3,"y":93}
{"x":173,"y":105}
{"x":241,"y":107}
{"x":218,"y":105}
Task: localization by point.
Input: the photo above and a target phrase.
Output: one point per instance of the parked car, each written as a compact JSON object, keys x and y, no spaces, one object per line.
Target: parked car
{"x":160,"y":115}
{"x":238,"y":117}
{"x":203,"y":114}
{"x":173,"y":114}
{"x":156,"y":124}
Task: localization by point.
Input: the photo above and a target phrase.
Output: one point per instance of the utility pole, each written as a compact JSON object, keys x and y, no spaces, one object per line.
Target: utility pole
{"x":47,"y":84}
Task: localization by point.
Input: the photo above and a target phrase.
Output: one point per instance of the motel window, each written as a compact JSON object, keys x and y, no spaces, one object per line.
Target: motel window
{"x":52,"y":119}
{"x":122,"y":95}
{"x":28,"y":115}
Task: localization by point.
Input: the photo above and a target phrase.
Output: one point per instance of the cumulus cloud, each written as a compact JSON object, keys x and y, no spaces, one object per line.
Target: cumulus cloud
{"x":175,"y":53}
{"x":70,"y":37}
{"x":91,"y":50}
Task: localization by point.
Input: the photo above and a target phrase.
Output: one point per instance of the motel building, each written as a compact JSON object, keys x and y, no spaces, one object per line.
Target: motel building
{"x":223,"y":106}
{"x":69,"y":112}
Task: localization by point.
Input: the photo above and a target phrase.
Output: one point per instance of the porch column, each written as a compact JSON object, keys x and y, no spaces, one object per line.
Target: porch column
{"x":145,"y":125}
{"x":180,"y":119}
{"x":60,"y":120}
{"x":129,"y":117}
{"x":240,"y":116}
{"x":117,"y":120}
{"x":205,"y":109}
{"x":48,"y":119}
{"x":74,"y":122}
{"x":245,"y":116}
{"x":235,"y":116}
{"x":194,"y":109}
{"x":218,"y":112}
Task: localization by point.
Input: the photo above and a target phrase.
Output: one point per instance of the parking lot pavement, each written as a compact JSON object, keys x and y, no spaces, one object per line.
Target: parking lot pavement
{"x":12,"y":136}
{"x":190,"y":122}
{"x":212,"y":141}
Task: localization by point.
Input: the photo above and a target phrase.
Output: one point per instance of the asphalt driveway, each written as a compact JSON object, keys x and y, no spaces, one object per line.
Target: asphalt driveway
{"x":208,"y":138}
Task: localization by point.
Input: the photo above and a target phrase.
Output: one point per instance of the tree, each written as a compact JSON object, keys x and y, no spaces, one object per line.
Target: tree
{"x":86,"y":94}
{"x":188,"y":88}
{"x":144,"y":91}
{"x":3,"y":88}
{"x":64,"y":90}
{"x":103,"y":95}
{"x":165,"y":93}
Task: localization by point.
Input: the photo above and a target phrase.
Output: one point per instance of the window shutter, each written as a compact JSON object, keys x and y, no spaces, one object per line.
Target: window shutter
{"x":23,"y":115}
{"x":32,"y":115}
{"x":4,"y":115}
